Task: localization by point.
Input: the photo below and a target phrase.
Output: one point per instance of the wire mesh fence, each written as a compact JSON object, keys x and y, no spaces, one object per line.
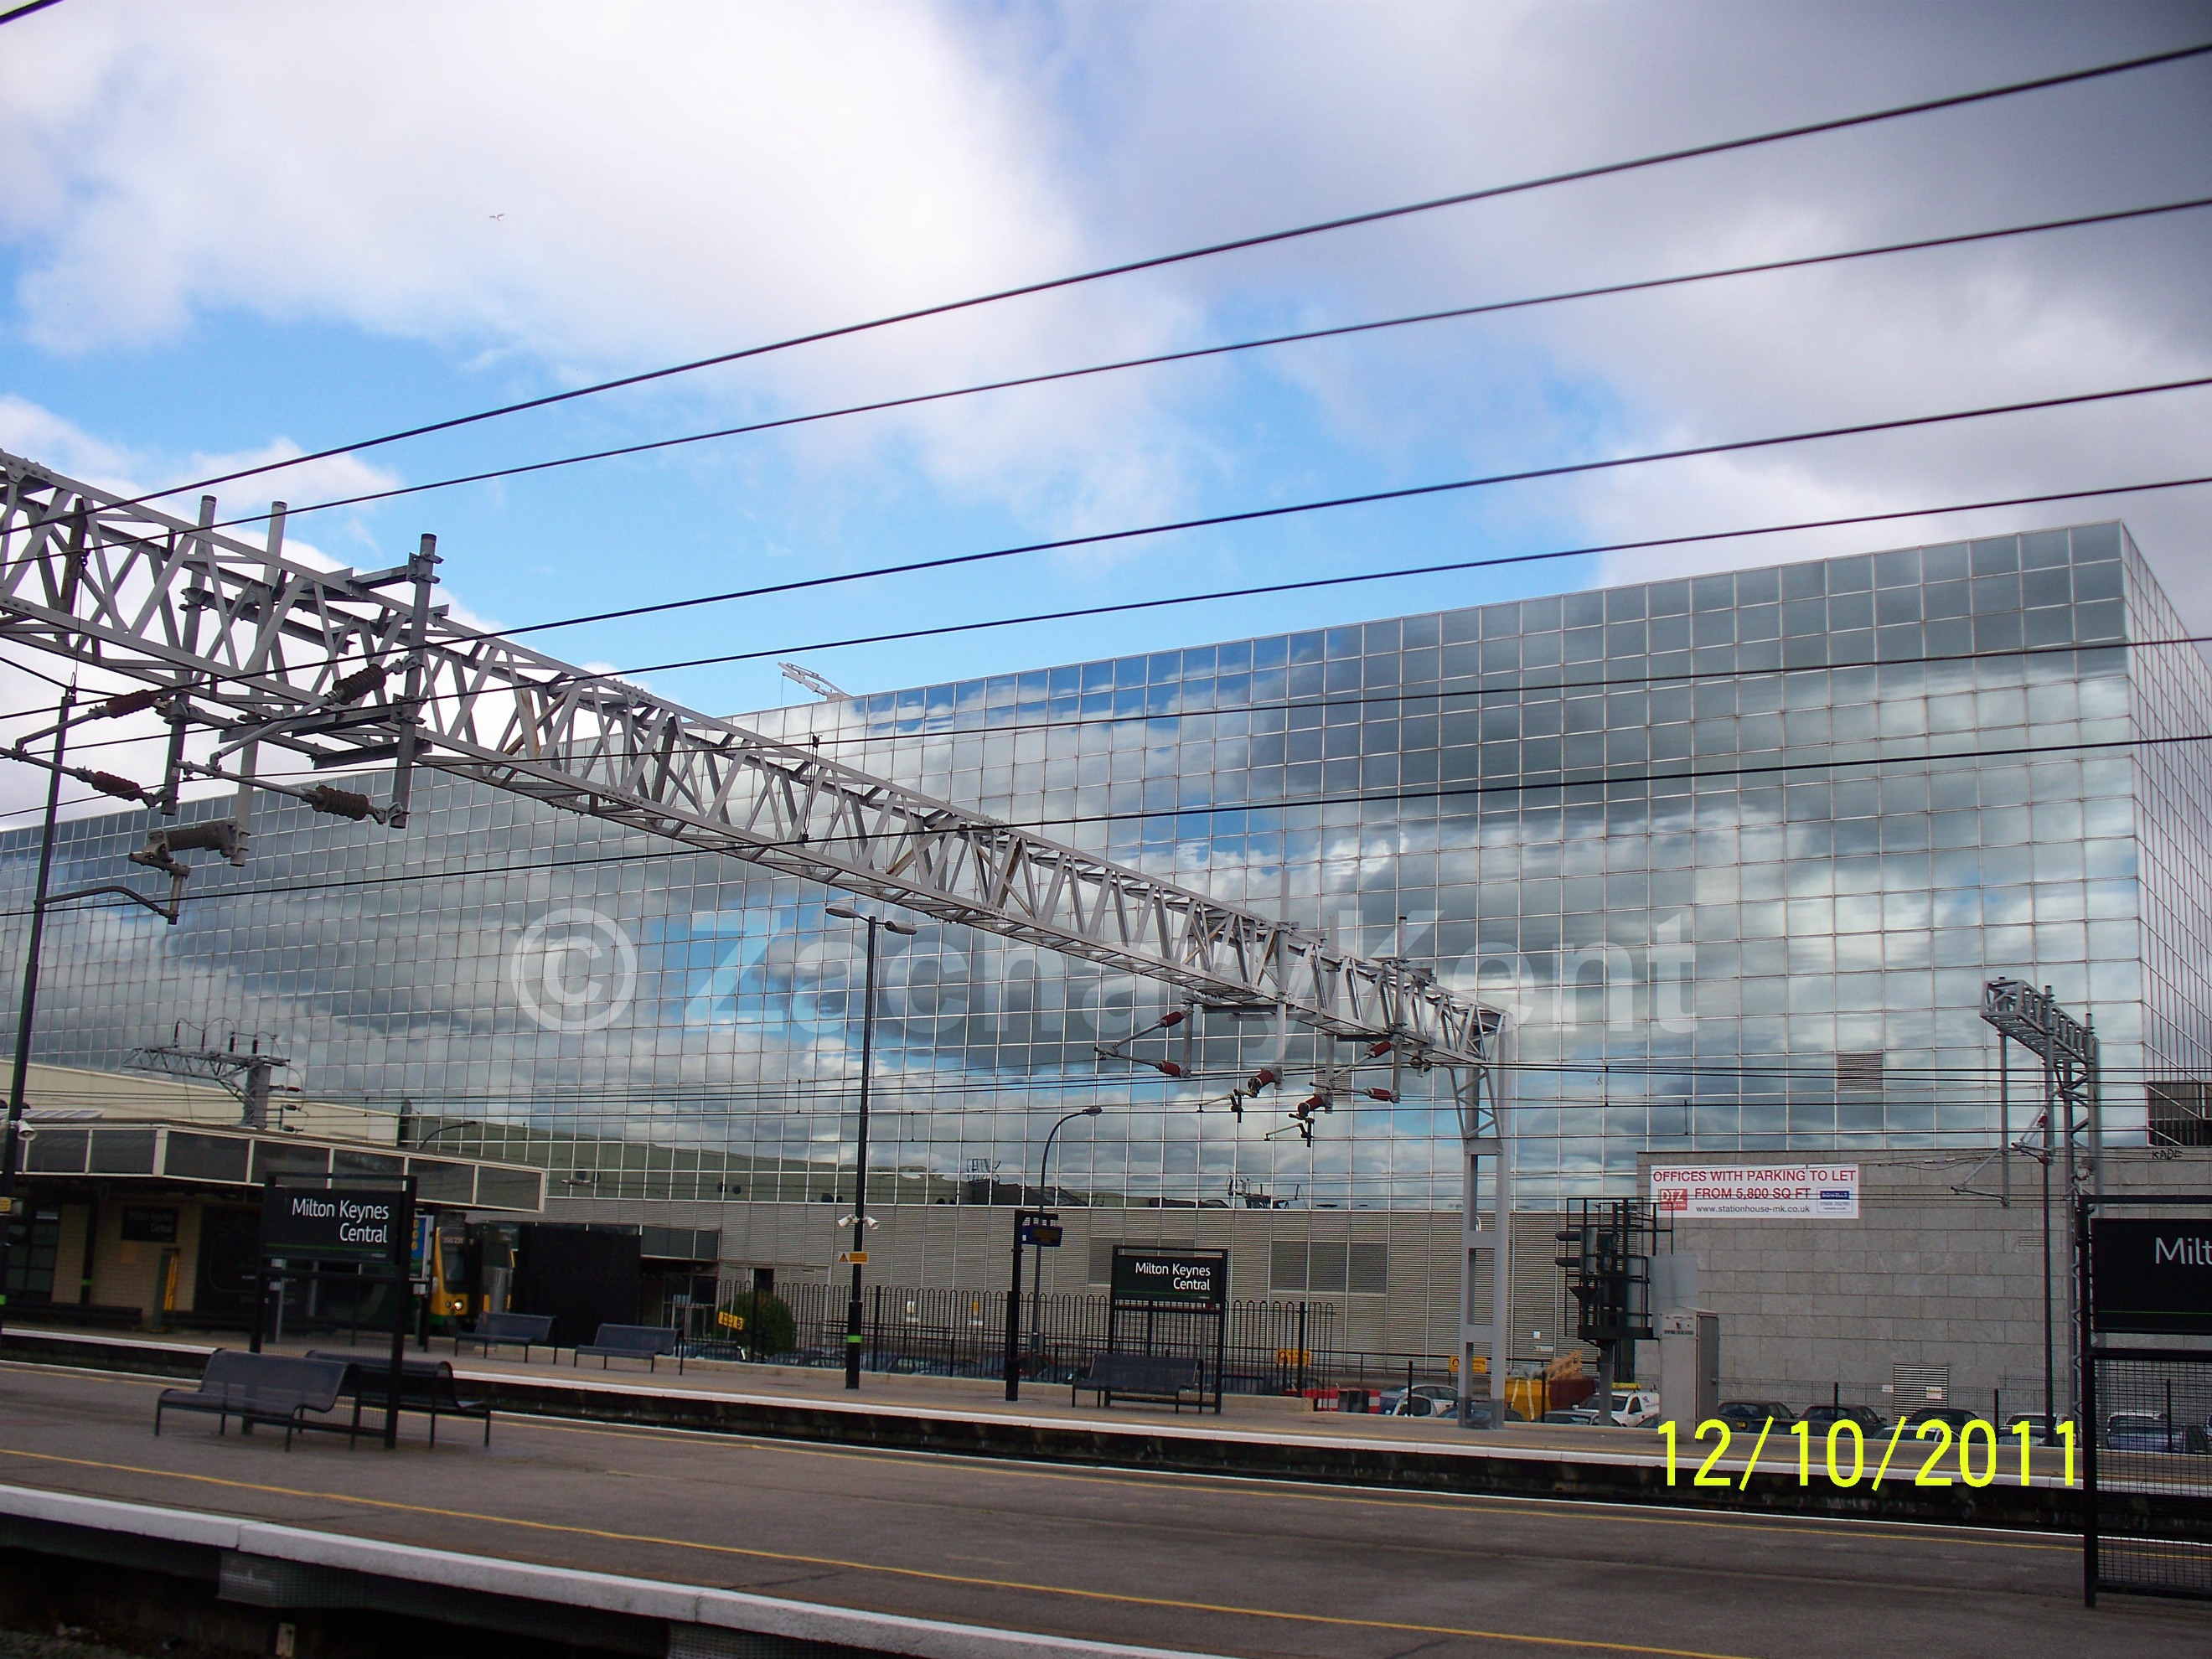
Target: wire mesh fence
{"x":2153,"y":1473}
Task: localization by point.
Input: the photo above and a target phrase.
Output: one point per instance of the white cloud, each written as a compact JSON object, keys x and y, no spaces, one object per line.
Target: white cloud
{"x":583,"y":187}
{"x":679,"y":179}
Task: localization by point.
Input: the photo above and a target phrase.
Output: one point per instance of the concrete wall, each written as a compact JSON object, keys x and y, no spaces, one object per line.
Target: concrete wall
{"x":1926,"y":1275}
{"x":971,"y":1247}
{"x":130,"y":1096}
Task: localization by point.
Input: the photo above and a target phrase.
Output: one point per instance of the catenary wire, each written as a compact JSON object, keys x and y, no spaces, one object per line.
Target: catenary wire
{"x":1436,"y":794}
{"x":1451,"y":486}
{"x":1451,"y":567}
{"x":1327,"y":701}
{"x":1197,"y":353}
{"x":1492,"y":192}
{"x":343,"y":658}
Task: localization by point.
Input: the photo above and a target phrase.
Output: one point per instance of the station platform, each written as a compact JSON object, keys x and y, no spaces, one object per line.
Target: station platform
{"x":620,"y":1537}
{"x":1254,"y":1435}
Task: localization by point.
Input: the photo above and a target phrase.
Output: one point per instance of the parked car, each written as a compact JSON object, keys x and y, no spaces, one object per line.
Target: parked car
{"x":1870,"y":1420}
{"x":1752,"y":1414}
{"x":1634,"y":1408}
{"x":2037,"y":1424}
{"x":2150,"y":1431}
{"x":1422,"y":1400}
{"x":1479,"y":1415}
{"x":1577,"y":1416}
{"x":1957,"y":1416}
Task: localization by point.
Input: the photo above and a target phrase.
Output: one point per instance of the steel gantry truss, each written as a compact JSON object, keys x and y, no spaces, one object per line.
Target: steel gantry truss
{"x":347,"y":667}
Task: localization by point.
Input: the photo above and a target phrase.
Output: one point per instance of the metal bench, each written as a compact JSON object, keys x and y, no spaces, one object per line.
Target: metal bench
{"x":510,"y":1330}
{"x":645,"y":1342}
{"x":426,"y":1385}
{"x":262,"y":1388}
{"x":1162,"y":1378}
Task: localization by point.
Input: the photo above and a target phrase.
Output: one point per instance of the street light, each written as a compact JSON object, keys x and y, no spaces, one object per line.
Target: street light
{"x":1044,"y":1163}
{"x":849,"y":913}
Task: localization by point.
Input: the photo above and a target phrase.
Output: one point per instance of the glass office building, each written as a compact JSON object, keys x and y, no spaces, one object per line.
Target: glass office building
{"x":1737,"y":853}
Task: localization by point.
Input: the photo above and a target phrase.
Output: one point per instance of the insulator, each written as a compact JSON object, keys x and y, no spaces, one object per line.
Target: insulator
{"x":1165,"y":1067}
{"x":354,"y":687}
{"x":1376,"y":1050}
{"x":338,"y":803}
{"x":1176,"y":1018}
{"x":1380,"y":1094}
{"x":108,"y":784}
{"x":218,"y":835}
{"x":1266,"y":1077}
{"x":128,"y":702}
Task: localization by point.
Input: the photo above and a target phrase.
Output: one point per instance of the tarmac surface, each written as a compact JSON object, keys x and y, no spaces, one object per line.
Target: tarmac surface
{"x":980,"y":1398}
{"x":1204,"y":1564}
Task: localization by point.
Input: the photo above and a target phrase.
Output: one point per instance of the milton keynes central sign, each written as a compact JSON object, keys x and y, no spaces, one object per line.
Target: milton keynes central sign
{"x":332,"y":1224}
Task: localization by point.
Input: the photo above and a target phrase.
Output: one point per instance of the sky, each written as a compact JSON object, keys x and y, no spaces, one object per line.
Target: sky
{"x":238,"y":231}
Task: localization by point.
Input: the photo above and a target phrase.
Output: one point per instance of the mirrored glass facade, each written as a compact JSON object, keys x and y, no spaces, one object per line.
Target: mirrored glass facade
{"x":1737,"y":853}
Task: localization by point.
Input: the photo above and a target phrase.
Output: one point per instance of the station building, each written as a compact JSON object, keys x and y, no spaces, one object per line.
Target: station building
{"x":1736,"y":852}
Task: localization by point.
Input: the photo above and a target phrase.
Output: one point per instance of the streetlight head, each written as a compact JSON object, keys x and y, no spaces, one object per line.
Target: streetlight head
{"x":905,"y":927}
{"x":1092,"y":1111}
{"x":844,"y":912}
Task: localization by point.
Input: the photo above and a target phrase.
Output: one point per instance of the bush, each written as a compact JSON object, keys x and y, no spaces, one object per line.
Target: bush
{"x":769,"y":1328}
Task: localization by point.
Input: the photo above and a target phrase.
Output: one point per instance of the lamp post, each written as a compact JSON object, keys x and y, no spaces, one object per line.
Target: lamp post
{"x":16,"y":1083}
{"x":1044,"y":1163}
{"x":859,"y":1251}
{"x":42,"y":900}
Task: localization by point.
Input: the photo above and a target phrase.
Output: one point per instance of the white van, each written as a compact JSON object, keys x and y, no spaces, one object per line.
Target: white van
{"x":1634,"y":1408}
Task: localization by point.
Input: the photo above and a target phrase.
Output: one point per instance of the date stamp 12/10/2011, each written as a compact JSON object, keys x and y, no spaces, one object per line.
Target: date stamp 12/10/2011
{"x":1975,"y":1445}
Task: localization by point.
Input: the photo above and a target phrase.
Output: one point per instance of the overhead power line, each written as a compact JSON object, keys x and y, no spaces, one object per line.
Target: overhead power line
{"x":1435,"y":793}
{"x":1445,"y":568}
{"x":15,"y":12}
{"x":1194,"y":354}
{"x":1492,"y":192}
{"x":1368,"y":498}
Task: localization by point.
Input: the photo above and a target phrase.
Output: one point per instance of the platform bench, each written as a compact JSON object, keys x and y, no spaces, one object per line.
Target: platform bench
{"x":510,"y":1330}
{"x":1159,"y":1377}
{"x":262,"y":1388}
{"x":426,"y":1385}
{"x":645,"y":1342}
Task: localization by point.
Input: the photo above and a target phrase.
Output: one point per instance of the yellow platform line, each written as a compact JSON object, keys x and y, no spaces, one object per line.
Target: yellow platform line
{"x":792,"y":1559}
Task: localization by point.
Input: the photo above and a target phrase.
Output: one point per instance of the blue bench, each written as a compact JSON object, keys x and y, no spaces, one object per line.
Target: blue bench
{"x":645,"y":1342}
{"x":1164,"y":1378}
{"x":510,"y":1330}
{"x":263,"y":1388}
{"x":426,"y":1385}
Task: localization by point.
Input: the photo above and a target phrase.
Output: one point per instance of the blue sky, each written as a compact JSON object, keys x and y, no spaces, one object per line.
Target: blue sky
{"x":233,"y":227}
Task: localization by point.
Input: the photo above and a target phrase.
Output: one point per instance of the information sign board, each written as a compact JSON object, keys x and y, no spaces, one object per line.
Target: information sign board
{"x":1792,"y":1192}
{"x":149,"y":1224}
{"x":1045,"y":1234}
{"x":1197,"y":1279}
{"x":2152,"y":1276}
{"x":332,"y":1224}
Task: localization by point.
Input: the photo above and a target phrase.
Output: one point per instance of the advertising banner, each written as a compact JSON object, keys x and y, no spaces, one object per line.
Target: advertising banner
{"x":1785,"y":1192}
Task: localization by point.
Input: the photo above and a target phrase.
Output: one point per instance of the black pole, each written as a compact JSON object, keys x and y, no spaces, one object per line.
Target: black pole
{"x":2049,"y":1357}
{"x":1014,"y":1358}
{"x":402,"y":1290}
{"x":860,"y":1166}
{"x":10,"y":1148}
{"x":2086,"y":1430}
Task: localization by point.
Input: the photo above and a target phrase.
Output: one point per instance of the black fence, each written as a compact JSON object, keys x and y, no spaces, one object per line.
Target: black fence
{"x":2150,"y":1472}
{"x":1271,"y":1347}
